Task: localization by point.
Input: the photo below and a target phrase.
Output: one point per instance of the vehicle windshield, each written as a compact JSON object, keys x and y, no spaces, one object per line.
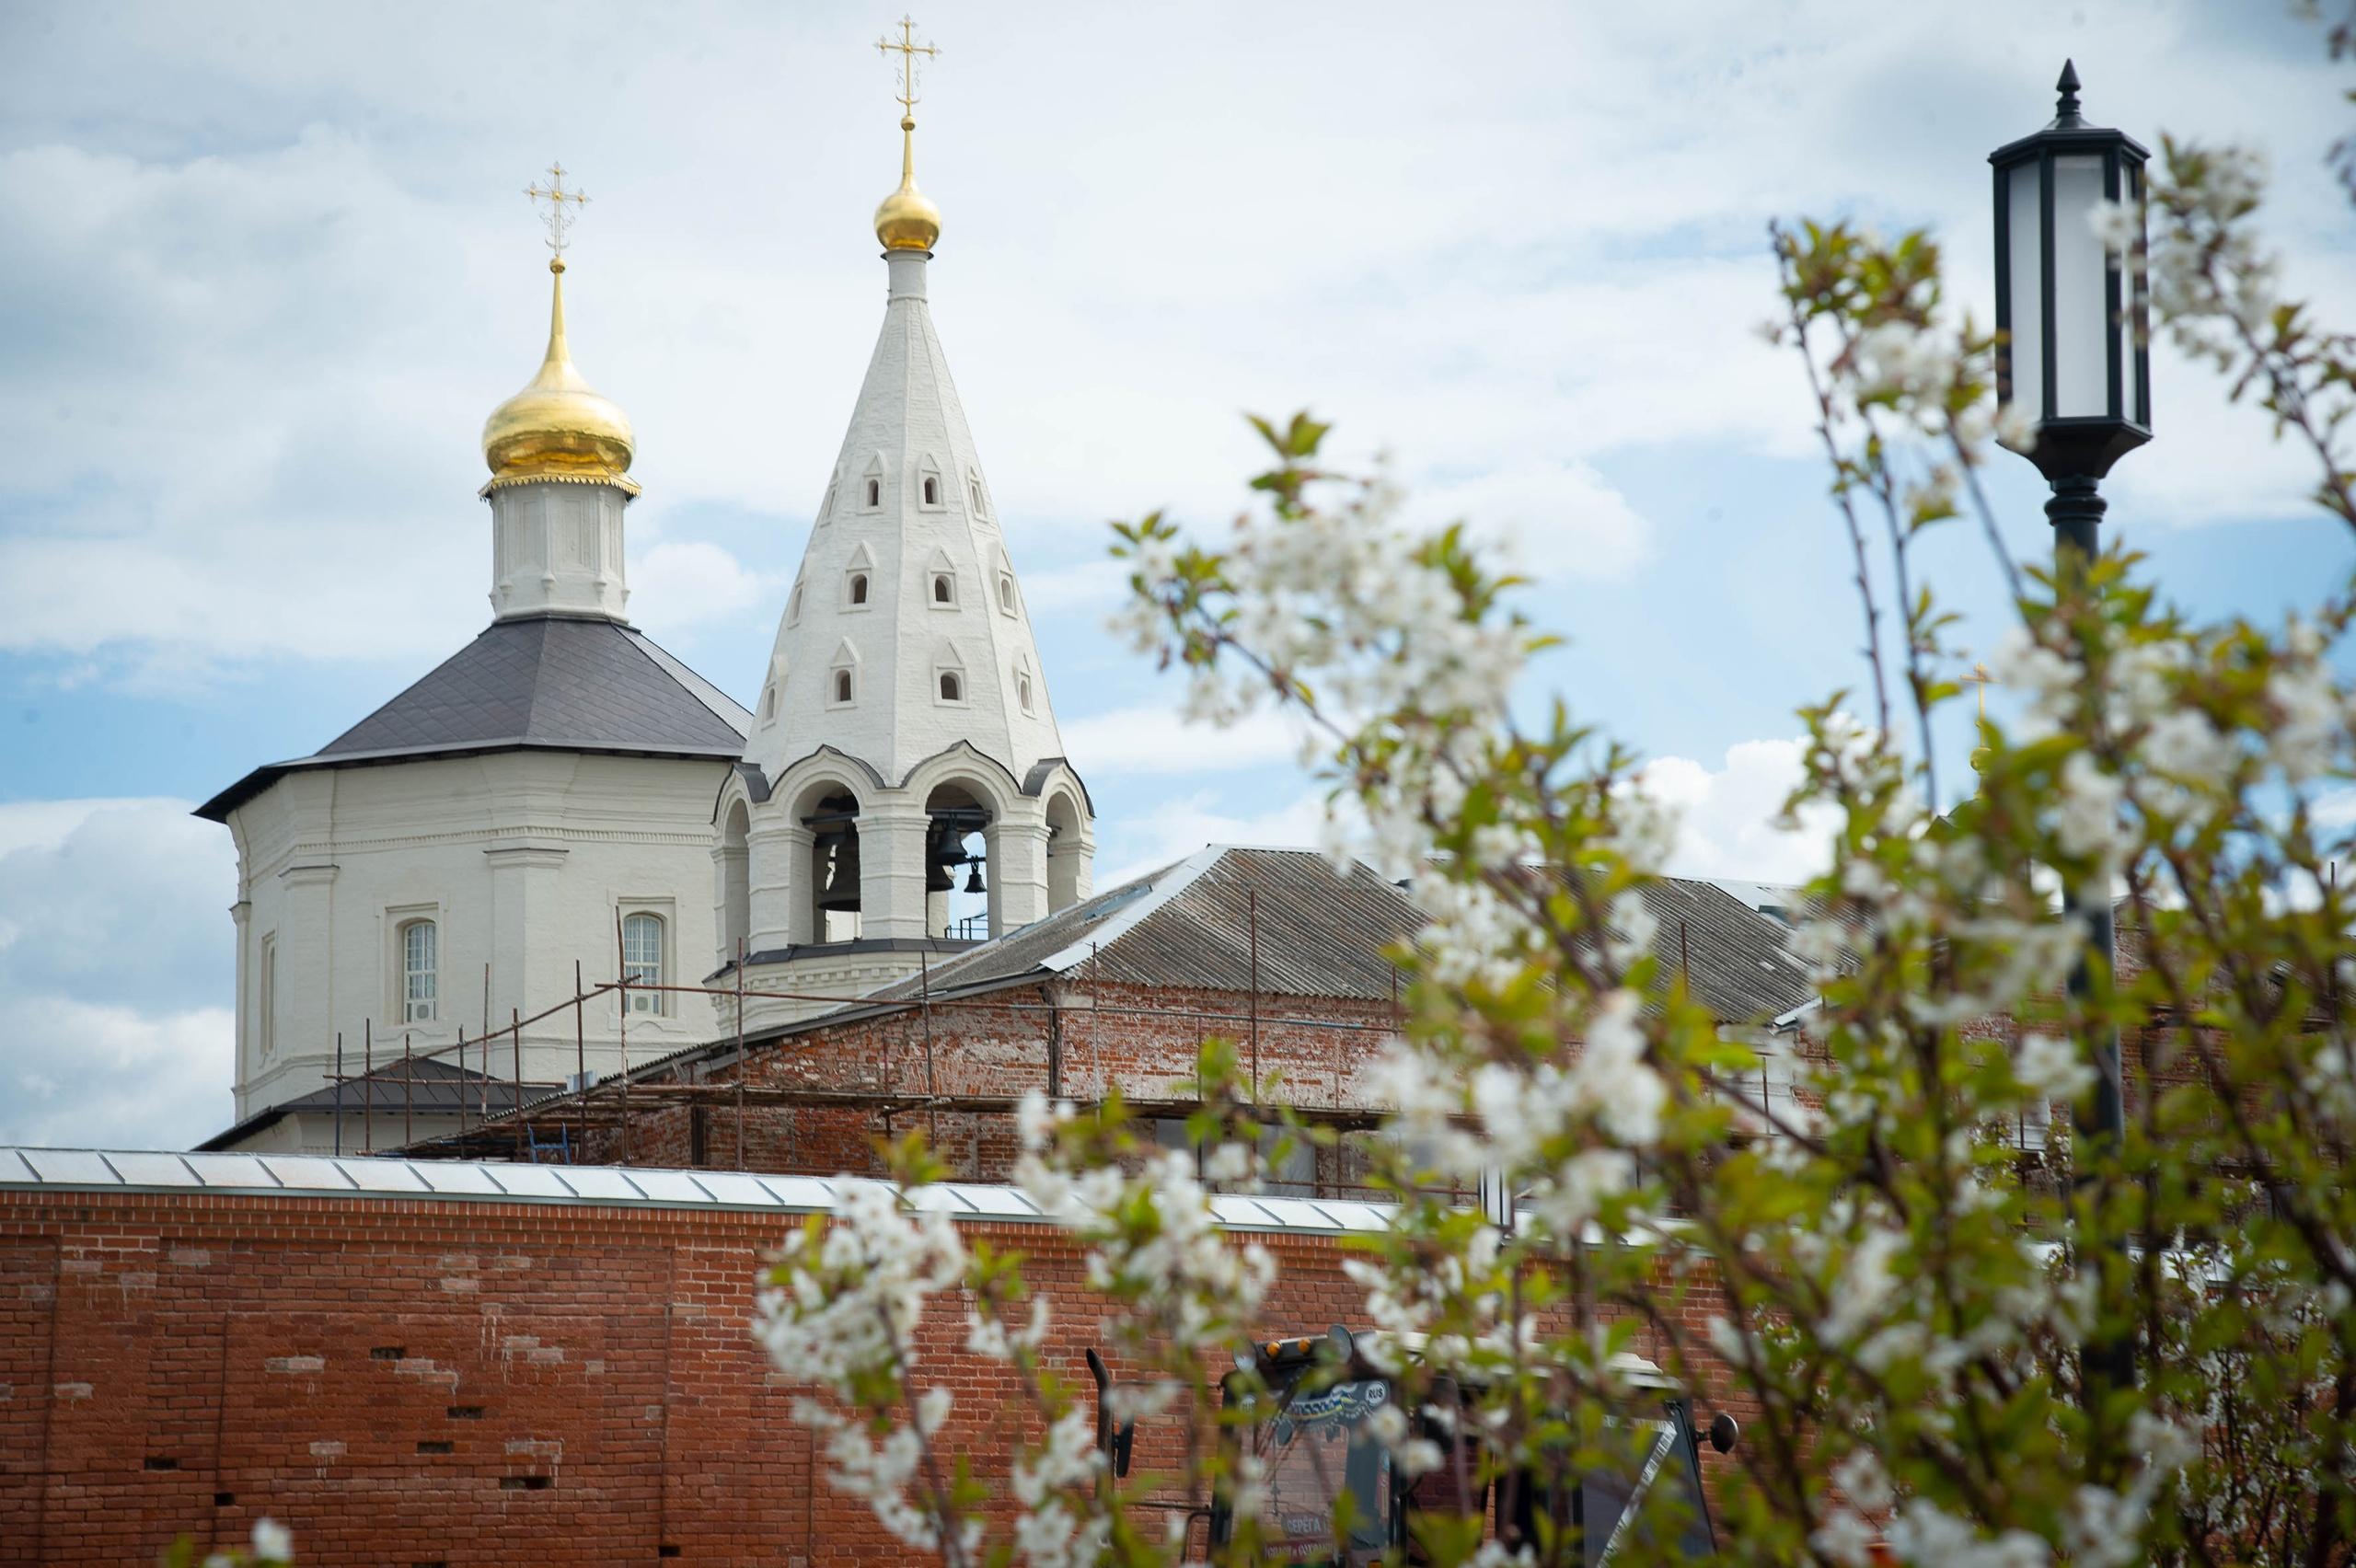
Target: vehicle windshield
{"x":1622,"y":1515}
{"x":1313,"y":1450}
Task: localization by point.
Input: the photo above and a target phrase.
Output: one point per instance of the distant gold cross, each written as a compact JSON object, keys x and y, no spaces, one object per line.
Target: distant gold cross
{"x":560,"y":218}
{"x":908,"y":49}
{"x":1979,"y":677}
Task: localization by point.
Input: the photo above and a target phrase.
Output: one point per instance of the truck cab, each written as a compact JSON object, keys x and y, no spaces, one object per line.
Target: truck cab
{"x":1304,"y":1416}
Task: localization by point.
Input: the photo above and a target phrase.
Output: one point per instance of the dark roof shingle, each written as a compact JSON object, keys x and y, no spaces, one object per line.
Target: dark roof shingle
{"x":549,"y":682}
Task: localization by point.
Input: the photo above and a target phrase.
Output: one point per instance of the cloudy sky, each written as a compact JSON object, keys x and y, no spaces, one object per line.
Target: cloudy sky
{"x":264,"y":268}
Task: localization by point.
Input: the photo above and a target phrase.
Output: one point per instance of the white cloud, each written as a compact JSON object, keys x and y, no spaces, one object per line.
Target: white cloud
{"x":85,"y":1075}
{"x":1174,"y":829}
{"x":1557,"y":520}
{"x":1156,"y":740}
{"x":262,"y":295}
{"x":115,"y":960}
{"x":1725,"y":815}
{"x":686,"y":582}
{"x":45,"y":824}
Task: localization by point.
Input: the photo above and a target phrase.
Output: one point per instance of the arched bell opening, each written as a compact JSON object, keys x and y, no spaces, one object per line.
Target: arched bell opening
{"x":734,"y":864}
{"x":1066,"y":857}
{"x":956,"y":855}
{"x":832,"y":821}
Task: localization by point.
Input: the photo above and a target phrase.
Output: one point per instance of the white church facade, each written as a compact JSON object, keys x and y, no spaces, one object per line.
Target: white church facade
{"x":564,"y":792}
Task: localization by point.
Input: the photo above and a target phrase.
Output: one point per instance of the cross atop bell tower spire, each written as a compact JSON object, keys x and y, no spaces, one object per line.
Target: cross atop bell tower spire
{"x":558,"y":216}
{"x":908,"y":220}
{"x":908,"y":49}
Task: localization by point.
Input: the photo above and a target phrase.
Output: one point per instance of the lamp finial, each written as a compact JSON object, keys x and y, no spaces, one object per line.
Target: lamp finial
{"x":2068,"y":88}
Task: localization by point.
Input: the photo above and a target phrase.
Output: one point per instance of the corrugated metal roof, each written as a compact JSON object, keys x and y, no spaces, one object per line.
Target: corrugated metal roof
{"x":1738,"y":962}
{"x":1322,"y":933}
{"x":549,"y":682}
{"x":381,"y":1176}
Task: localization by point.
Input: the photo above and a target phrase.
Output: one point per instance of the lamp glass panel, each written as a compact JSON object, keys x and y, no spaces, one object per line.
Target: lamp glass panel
{"x":2131,"y":191}
{"x":2081,"y":330}
{"x":2026,"y":277}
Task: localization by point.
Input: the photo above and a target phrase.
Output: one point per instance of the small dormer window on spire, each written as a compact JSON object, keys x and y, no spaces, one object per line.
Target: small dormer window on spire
{"x":931,"y":490}
{"x":874,"y":493}
{"x":859,"y":587}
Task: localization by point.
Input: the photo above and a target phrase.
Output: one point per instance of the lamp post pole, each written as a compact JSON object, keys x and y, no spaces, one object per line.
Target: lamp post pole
{"x":2072,"y":336}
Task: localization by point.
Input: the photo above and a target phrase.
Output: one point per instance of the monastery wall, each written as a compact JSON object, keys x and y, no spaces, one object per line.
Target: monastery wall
{"x":414,"y":1382}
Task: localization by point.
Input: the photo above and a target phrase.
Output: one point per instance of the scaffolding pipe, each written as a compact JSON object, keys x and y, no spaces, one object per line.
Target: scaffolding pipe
{"x":1252,"y":920}
{"x":621,"y":971}
{"x":579,"y":1057}
{"x":740,"y":1054}
{"x":516,"y":1052}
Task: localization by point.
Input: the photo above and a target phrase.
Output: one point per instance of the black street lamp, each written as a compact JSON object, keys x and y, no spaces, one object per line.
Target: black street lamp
{"x":2071,"y":320}
{"x":2070,"y":315}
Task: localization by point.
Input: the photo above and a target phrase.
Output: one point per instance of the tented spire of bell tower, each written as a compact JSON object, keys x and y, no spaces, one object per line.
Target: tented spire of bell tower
{"x":904,"y":737}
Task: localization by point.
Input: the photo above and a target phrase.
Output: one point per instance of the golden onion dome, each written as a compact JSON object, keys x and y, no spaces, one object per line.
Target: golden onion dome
{"x":557,"y":428}
{"x":908,"y":220}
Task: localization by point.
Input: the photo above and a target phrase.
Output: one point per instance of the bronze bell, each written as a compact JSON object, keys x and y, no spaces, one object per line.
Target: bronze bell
{"x":973,"y":878}
{"x":837,"y":858}
{"x":944,"y":848}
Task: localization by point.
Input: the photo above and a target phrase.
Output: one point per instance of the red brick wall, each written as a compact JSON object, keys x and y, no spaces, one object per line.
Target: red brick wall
{"x":408,"y":1382}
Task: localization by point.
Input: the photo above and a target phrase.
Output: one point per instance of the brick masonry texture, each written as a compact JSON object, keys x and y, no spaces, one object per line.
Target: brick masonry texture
{"x":592,"y":1399}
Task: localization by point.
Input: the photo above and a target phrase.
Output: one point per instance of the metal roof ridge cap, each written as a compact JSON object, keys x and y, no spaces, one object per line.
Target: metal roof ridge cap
{"x":1122,"y":921}
{"x":674,"y":667}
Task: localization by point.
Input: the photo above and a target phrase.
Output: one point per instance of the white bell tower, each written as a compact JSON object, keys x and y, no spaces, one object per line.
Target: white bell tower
{"x":904,"y":744}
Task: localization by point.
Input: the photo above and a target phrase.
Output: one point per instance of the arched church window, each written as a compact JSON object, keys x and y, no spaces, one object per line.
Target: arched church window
{"x":769,"y":705}
{"x":842,"y":686}
{"x":421,"y":961}
{"x":1022,"y":689}
{"x":951,"y":688}
{"x":931,"y":490}
{"x":944,"y":588}
{"x":973,"y":492}
{"x":1006,"y":591}
{"x":859,"y":587}
{"x":875,"y":492}
{"x":642,"y":959}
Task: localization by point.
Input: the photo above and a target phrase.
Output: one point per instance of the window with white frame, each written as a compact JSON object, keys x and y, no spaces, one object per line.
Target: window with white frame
{"x":1022,"y":692}
{"x":1763,"y":1094}
{"x":945,"y":590}
{"x":1006,"y":591}
{"x":421,"y":972}
{"x":974,"y":493}
{"x":953,"y":686}
{"x":843,"y":689}
{"x":642,"y":959}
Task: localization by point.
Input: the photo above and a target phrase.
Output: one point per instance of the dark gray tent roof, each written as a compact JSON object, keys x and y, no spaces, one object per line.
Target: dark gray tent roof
{"x":548,"y":682}
{"x":441,"y":1088}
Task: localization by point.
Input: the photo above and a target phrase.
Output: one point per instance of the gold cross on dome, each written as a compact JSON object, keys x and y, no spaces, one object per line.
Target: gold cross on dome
{"x":908,"y":49}
{"x":559,"y":217}
{"x":1981,"y":679}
